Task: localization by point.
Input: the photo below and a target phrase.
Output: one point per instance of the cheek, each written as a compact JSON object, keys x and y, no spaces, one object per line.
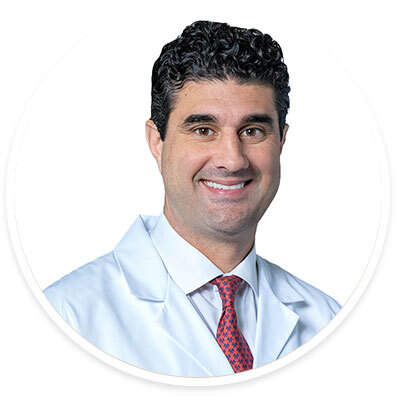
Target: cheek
{"x":192,"y":160}
{"x":180,"y":164}
{"x":266,"y":162}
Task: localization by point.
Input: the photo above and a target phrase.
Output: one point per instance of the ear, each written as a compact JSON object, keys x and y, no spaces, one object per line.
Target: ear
{"x":154,"y":141}
{"x":285,"y":129}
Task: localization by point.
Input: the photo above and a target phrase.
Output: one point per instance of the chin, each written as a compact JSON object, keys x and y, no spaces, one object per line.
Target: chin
{"x":232,"y":225}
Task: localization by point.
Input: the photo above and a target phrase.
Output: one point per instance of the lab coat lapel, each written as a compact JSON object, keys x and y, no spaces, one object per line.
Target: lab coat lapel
{"x":275,"y":321}
{"x":181,"y":322}
{"x":148,"y":279}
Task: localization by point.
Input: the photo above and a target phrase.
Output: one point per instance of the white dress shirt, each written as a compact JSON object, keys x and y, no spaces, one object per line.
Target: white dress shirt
{"x":192,"y":272}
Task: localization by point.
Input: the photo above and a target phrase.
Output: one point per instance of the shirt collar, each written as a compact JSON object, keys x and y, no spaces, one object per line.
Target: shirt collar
{"x":247,"y":270}
{"x":188,"y":267}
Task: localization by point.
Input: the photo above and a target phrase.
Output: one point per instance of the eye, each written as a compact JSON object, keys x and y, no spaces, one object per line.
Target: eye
{"x":253,"y":133}
{"x":203,"y":131}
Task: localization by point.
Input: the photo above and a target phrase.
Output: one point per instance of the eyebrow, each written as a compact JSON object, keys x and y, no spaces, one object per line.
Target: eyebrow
{"x":261,"y":118}
{"x":197,"y":118}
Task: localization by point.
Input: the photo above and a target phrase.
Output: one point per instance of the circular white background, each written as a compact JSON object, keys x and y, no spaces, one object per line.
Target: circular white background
{"x":81,"y":172}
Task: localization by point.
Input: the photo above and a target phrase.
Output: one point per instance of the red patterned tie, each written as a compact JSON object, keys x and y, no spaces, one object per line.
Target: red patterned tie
{"x":229,"y":337}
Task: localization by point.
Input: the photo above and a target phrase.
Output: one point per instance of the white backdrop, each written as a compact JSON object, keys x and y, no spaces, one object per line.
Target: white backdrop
{"x":83,"y":128}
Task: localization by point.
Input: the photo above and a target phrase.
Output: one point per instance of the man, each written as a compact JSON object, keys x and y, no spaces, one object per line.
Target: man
{"x":185,"y":293}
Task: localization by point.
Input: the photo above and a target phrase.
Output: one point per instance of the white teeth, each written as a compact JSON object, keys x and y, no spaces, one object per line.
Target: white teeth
{"x":222,"y":186}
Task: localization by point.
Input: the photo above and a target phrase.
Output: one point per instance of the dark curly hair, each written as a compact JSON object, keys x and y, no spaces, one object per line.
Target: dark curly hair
{"x":216,"y":51}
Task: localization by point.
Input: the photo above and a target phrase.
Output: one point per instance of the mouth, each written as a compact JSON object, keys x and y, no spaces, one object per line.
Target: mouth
{"x":220,"y":186}
{"x":227,"y":189}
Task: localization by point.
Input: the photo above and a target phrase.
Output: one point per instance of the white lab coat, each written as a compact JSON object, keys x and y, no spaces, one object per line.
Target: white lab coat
{"x":126,"y":304}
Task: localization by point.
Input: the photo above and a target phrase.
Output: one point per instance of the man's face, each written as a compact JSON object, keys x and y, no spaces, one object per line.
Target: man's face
{"x":220,"y":158}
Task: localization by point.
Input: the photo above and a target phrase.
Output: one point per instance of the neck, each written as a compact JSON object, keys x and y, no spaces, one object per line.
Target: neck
{"x":223,"y":250}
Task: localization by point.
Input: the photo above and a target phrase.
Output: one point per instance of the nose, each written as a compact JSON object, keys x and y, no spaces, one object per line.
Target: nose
{"x":230,"y":153}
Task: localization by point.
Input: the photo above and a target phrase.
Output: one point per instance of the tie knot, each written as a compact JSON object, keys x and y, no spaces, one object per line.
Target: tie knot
{"x":228,"y":286}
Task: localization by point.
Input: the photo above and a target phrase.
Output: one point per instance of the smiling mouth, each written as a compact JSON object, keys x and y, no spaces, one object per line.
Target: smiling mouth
{"x":226,"y":187}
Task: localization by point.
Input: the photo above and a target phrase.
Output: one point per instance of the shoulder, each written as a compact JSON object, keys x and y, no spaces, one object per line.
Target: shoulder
{"x":82,"y":286}
{"x":91,"y":274}
{"x":291,"y":289}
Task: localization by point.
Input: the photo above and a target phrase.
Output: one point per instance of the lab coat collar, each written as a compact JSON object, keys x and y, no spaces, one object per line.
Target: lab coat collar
{"x":276,"y":279}
{"x":145,"y":272}
{"x":139,"y":262}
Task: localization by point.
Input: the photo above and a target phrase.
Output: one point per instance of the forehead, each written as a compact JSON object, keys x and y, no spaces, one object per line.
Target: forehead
{"x":228,"y":101}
